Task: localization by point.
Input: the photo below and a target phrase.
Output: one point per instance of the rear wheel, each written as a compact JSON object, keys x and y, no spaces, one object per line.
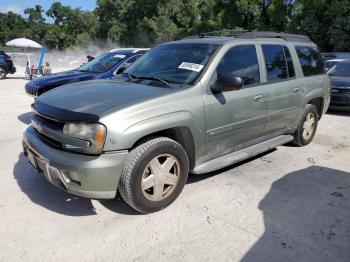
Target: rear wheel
{"x":2,"y":73}
{"x":154,"y":175}
{"x":307,"y":127}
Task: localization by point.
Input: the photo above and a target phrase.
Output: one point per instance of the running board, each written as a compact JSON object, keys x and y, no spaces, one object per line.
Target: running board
{"x":240,"y":155}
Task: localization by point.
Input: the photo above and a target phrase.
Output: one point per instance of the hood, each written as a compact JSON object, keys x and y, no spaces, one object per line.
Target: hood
{"x":61,"y":78}
{"x":340,"y":82}
{"x":94,"y":98}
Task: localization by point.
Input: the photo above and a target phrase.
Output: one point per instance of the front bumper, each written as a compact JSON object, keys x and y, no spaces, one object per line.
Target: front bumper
{"x":94,"y":177}
{"x":340,"y":101}
{"x":31,"y":89}
{"x":12,"y":69}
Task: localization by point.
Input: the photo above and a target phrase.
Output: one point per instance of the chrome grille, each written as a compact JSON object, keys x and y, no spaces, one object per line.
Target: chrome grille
{"x":48,"y":130}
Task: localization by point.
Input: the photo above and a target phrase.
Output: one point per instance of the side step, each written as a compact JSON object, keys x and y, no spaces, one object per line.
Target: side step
{"x":240,"y":155}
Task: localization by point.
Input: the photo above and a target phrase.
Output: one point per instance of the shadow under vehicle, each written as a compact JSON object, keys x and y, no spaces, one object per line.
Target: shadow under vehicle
{"x":307,"y":218}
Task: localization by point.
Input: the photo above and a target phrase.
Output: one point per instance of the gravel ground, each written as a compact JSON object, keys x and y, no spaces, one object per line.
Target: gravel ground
{"x":291,"y":204}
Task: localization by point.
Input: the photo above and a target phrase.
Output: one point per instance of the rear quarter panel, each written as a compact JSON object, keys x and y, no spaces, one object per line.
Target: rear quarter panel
{"x":314,"y":86}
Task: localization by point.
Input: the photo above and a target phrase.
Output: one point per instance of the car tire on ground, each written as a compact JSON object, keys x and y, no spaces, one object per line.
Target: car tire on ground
{"x":154,"y":175}
{"x":2,"y":73}
{"x":307,"y":127}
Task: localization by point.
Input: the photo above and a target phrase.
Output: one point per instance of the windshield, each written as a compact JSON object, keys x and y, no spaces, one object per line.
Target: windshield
{"x":341,"y":69}
{"x":103,"y":63}
{"x":329,"y":64}
{"x":174,"y":63}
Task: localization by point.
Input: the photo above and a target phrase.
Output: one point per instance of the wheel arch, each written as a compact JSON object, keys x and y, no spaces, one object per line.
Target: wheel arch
{"x":181,"y":134}
{"x":318,"y":102}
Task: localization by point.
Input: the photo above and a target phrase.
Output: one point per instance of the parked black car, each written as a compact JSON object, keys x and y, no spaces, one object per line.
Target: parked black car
{"x":6,"y":65}
{"x":340,"y":81}
{"x":104,"y":66}
{"x":327,"y":56}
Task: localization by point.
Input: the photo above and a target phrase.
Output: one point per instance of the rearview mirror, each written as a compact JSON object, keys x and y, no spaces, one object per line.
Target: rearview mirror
{"x":227,"y":83}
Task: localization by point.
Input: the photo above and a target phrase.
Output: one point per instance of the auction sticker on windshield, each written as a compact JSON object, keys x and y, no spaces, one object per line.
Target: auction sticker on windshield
{"x":191,"y":66}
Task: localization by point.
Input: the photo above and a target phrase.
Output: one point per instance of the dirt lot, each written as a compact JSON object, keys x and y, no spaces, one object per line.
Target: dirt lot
{"x":291,"y":204}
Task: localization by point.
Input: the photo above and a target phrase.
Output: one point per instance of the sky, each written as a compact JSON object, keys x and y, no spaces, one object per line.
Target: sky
{"x":18,"y":6}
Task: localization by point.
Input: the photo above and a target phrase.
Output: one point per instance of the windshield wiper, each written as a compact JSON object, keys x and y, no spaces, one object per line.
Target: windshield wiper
{"x":154,"y":78}
{"x":89,"y":71}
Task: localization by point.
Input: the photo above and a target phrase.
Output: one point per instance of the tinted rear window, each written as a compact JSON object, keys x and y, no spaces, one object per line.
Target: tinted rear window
{"x":276,"y":64}
{"x":311,"y":60}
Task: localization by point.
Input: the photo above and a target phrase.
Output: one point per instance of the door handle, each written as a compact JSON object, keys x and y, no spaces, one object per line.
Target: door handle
{"x":258,"y":98}
{"x":297,"y":90}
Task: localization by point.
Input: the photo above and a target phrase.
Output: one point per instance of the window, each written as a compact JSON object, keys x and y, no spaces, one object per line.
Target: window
{"x":133,"y":59}
{"x":291,"y":71}
{"x":276,"y":64}
{"x":241,"y":61}
{"x":310,"y":60}
{"x":103,"y":63}
{"x":341,"y":69}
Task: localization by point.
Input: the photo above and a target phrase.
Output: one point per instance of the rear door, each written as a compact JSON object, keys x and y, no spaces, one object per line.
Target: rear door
{"x":284,"y":92}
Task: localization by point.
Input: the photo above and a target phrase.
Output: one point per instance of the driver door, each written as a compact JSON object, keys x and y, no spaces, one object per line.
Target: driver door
{"x":234,"y":117}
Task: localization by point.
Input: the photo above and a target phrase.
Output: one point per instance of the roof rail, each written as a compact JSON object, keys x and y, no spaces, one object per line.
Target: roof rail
{"x":285,"y":36}
{"x":224,"y":32}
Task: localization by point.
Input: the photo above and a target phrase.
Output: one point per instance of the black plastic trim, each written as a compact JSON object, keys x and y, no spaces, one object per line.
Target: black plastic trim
{"x":63,"y":115}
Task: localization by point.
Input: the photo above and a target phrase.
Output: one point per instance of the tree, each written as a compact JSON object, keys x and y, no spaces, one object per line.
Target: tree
{"x":35,"y":14}
{"x":36,"y":27}
{"x":58,"y":13}
{"x":340,"y":30}
{"x":73,"y":26}
{"x":148,"y":22}
{"x":315,"y":18}
{"x":11,"y":26}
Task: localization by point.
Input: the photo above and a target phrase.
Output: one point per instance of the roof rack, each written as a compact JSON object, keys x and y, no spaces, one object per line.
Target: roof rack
{"x":250,"y":34}
{"x":224,"y":32}
{"x":285,"y":36}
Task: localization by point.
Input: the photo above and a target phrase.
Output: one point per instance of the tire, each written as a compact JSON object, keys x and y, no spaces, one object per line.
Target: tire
{"x":307,"y":127}
{"x":2,"y":72}
{"x":143,"y":183}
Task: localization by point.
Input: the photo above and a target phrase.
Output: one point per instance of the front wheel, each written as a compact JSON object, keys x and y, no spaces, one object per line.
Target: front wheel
{"x":307,"y":127}
{"x":154,"y":175}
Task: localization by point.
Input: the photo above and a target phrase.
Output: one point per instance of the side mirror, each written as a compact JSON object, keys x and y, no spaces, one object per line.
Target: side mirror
{"x":227,"y":83}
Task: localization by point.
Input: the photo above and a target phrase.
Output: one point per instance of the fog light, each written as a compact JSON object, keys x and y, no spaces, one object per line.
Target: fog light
{"x":72,"y":176}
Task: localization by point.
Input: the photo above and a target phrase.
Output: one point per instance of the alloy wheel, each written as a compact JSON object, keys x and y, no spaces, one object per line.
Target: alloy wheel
{"x":160,"y":177}
{"x":309,"y":126}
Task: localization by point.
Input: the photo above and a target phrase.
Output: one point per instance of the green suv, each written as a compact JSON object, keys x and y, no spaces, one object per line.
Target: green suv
{"x":190,"y":106}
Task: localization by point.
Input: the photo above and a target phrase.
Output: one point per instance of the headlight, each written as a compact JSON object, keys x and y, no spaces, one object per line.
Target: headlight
{"x":94,"y":133}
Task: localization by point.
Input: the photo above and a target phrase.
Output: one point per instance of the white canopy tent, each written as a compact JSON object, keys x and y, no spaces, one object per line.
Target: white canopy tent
{"x":24,"y":43}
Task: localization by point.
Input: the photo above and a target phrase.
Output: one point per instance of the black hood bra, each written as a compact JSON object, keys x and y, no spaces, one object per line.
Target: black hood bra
{"x":63,"y":115}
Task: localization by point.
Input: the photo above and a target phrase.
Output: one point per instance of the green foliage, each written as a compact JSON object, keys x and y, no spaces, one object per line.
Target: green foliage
{"x":148,"y":22}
